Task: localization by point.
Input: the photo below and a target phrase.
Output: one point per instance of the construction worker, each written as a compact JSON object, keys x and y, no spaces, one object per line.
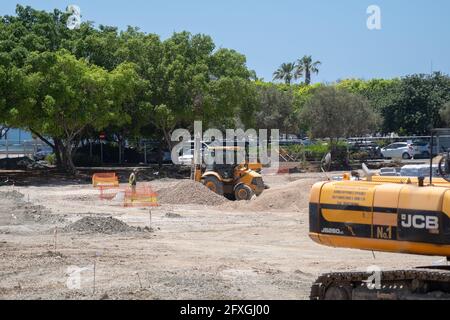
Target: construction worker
{"x":132,"y":180}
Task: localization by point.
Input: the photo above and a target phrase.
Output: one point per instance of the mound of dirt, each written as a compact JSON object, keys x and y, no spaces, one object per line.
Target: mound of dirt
{"x":189,"y":192}
{"x":22,"y":163}
{"x":11,"y":195}
{"x":292,"y":196}
{"x":108,"y":225}
{"x":17,"y":211}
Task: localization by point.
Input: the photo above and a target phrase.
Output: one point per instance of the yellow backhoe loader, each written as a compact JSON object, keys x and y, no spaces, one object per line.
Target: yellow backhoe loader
{"x":233,"y":181}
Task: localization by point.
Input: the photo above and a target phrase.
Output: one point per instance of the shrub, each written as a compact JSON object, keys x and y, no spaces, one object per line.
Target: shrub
{"x":51,"y":159}
{"x":360,"y":156}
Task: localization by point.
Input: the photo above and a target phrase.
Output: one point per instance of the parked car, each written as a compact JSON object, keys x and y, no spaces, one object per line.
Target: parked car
{"x":186,"y":158}
{"x":153,"y":155}
{"x":369,"y":147}
{"x":422,"y":149}
{"x":41,"y":154}
{"x":401,"y":150}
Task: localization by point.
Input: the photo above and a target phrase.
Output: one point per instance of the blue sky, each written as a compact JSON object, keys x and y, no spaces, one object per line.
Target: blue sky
{"x":415,"y":34}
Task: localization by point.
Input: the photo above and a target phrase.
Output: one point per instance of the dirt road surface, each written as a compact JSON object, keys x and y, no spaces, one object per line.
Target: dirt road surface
{"x":254,"y":250}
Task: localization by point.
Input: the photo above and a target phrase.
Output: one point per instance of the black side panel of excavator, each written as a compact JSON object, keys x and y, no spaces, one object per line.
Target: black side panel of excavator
{"x":314,"y":218}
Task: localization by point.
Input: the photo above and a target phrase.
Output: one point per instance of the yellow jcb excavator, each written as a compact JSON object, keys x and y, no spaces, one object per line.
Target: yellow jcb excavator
{"x":388,"y":214}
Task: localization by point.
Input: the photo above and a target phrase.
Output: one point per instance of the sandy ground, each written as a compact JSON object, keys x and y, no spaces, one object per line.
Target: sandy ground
{"x":233,"y":251}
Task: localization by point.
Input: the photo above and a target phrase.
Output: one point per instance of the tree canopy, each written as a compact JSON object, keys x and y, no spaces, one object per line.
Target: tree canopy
{"x":63,"y":83}
{"x":336,"y":113}
{"x":67,"y":86}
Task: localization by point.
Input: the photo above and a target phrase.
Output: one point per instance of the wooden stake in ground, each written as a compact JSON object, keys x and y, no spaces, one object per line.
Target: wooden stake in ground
{"x":150,"y":218}
{"x":55,"y":238}
{"x":139,"y":278}
{"x":95,"y":269}
{"x":97,"y":254}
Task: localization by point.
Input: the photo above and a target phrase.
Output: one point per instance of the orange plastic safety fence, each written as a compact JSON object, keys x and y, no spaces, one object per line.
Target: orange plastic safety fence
{"x":140,"y":196}
{"x":105,"y":179}
{"x":108,"y":192}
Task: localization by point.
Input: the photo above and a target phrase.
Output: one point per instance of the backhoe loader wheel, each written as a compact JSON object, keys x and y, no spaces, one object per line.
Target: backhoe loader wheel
{"x":243,"y":192}
{"x":213,"y":184}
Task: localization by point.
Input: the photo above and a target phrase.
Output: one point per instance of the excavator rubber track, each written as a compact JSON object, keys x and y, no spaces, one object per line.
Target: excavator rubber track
{"x":427,"y":283}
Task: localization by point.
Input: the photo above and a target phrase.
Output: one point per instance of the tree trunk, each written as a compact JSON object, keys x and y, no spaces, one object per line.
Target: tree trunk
{"x":120,"y":150}
{"x":3,"y":131}
{"x":56,"y":147}
{"x":70,"y":165}
{"x":308,"y":77}
{"x":160,"y":154}
{"x":168,"y":138}
{"x":66,"y":149}
{"x":57,"y":151}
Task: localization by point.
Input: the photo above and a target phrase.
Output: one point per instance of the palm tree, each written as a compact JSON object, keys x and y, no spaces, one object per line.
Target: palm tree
{"x":285,"y":72}
{"x":306,"y":67}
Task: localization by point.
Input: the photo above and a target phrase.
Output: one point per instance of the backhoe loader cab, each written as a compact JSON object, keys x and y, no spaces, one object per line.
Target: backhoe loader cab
{"x":233,"y":181}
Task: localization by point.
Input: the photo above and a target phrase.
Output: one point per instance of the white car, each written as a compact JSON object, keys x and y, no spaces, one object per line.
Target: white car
{"x":187,"y":158}
{"x":402,"y":150}
{"x":422,"y":149}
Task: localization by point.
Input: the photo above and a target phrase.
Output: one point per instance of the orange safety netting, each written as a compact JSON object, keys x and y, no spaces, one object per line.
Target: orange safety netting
{"x":140,"y":196}
{"x":109,"y":179}
{"x":108,"y":192}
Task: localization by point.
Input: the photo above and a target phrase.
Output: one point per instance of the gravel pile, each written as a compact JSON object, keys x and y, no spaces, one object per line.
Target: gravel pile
{"x":22,"y":163}
{"x":17,"y":211}
{"x":189,"y":192}
{"x":292,"y":196}
{"x":11,"y":195}
{"x":108,"y":225}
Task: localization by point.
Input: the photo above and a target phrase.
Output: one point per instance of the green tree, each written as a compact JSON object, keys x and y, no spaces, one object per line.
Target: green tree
{"x":32,"y":30}
{"x":276,"y":109}
{"x":97,"y":46}
{"x":285,"y":73}
{"x":29,"y":31}
{"x":230,"y":102}
{"x":68,"y":96}
{"x":336,"y":113}
{"x":143,"y":86}
{"x":445,"y":114}
{"x":380,"y":92}
{"x":306,"y":67}
{"x":415,"y":108}
{"x":200,"y":84}
{"x":129,"y":98}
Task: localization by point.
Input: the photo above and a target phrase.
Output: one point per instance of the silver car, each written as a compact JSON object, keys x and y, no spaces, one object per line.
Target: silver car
{"x":402,"y":150}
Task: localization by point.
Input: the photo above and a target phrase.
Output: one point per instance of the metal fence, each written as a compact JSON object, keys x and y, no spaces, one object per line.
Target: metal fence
{"x":16,"y":149}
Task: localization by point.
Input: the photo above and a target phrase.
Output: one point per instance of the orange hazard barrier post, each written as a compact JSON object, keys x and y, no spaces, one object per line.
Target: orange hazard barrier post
{"x":107,"y":179}
{"x":141,"y":196}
